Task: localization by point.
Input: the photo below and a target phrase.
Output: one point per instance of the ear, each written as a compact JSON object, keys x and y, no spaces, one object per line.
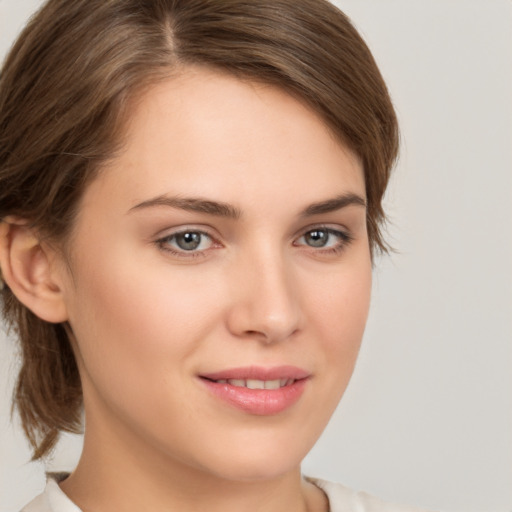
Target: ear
{"x":30,"y":269}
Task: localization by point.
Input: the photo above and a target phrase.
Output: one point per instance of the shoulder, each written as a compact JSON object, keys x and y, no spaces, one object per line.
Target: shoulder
{"x":52,"y":499}
{"x":342,"y":498}
{"x":38,"y":504}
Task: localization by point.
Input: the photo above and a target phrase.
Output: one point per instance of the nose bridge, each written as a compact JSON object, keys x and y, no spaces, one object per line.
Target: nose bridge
{"x":266,"y":304}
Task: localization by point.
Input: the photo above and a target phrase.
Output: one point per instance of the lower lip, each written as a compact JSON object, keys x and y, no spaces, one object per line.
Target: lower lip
{"x":261,"y":402}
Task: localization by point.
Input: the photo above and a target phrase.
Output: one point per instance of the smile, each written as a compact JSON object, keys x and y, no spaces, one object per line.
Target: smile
{"x":257,"y":384}
{"x":258,"y":391}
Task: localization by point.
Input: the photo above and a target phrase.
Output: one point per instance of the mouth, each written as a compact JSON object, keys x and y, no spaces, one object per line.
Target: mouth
{"x":255,"y":383}
{"x":258,"y":391}
{"x":246,"y":374}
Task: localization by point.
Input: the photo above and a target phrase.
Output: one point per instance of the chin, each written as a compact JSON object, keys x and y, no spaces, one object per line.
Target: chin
{"x":259,"y":461}
{"x":258,"y":471}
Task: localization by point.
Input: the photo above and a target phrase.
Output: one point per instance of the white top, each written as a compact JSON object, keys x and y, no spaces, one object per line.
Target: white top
{"x":341,"y":499}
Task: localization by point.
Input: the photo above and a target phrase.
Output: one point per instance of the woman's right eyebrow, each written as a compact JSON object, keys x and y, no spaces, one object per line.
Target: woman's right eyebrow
{"x":193,"y":204}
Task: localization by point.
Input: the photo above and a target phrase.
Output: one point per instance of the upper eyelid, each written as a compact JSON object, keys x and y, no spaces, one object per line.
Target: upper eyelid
{"x":342,"y":233}
{"x":169,"y":232}
{"x":162,"y":243}
{"x":327,"y":226}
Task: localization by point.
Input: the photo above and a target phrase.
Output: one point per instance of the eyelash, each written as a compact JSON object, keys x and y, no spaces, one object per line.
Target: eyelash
{"x":164,"y":243}
{"x":344,"y":240}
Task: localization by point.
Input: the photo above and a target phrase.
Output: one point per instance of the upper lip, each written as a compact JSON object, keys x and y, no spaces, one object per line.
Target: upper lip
{"x":258,"y":373}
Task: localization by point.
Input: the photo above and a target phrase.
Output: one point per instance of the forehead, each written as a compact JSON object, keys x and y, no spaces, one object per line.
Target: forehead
{"x":205,"y":132}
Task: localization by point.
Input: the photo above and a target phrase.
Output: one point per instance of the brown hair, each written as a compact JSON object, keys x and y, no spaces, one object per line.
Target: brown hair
{"x":64,"y":92}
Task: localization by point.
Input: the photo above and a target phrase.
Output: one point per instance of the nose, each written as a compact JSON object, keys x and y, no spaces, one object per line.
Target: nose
{"x":264,"y":303}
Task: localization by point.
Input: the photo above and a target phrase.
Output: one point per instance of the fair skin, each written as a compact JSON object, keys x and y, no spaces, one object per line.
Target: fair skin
{"x":229,"y":232}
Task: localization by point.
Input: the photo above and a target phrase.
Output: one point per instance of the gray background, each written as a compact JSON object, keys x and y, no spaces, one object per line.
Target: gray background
{"x":427,"y":419}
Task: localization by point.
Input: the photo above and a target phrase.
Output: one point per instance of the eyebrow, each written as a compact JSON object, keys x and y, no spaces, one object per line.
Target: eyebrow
{"x":192,"y":204}
{"x":220,"y":209}
{"x":334,"y":204}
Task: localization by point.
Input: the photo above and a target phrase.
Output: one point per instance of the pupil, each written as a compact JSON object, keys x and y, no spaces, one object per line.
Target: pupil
{"x":317,"y":238}
{"x":188,"y":241}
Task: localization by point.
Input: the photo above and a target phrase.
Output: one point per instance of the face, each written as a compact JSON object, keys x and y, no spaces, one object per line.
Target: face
{"x":220,"y":279}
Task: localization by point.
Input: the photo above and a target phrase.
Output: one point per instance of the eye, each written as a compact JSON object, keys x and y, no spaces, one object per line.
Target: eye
{"x":325,"y":238}
{"x":191,"y":241}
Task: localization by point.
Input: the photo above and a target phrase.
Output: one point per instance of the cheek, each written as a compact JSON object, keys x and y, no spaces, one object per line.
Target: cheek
{"x":340,"y":308}
{"x":136,"y":303}
{"x":337,"y":311}
{"x":131,"y":325}
{"x":135,"y":334}
{"x":342,"y":299}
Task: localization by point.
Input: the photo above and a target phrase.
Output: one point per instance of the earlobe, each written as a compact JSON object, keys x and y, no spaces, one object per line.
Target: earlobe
{"x":29,"y":270}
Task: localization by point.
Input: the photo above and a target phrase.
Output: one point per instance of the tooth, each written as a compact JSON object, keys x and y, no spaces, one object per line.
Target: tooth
{"x":222,"y":381}
{"x":272,"y":384}
{"x":255,"y":384}
{"x":289,"y":382}
{"x":283,"y":382}
{"x":240,"y":383}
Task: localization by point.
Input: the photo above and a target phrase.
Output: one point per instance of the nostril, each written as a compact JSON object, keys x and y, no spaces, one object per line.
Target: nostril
{"x":261,"y":335}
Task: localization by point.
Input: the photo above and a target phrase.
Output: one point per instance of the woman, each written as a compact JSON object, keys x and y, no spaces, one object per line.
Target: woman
{"x":190,"y":202}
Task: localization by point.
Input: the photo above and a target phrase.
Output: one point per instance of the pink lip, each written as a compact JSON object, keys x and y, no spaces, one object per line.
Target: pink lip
{"x":259,"y":402}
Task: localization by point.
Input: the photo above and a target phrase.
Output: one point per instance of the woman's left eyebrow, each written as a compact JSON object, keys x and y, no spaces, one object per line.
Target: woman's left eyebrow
{"x":331,"y":205}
